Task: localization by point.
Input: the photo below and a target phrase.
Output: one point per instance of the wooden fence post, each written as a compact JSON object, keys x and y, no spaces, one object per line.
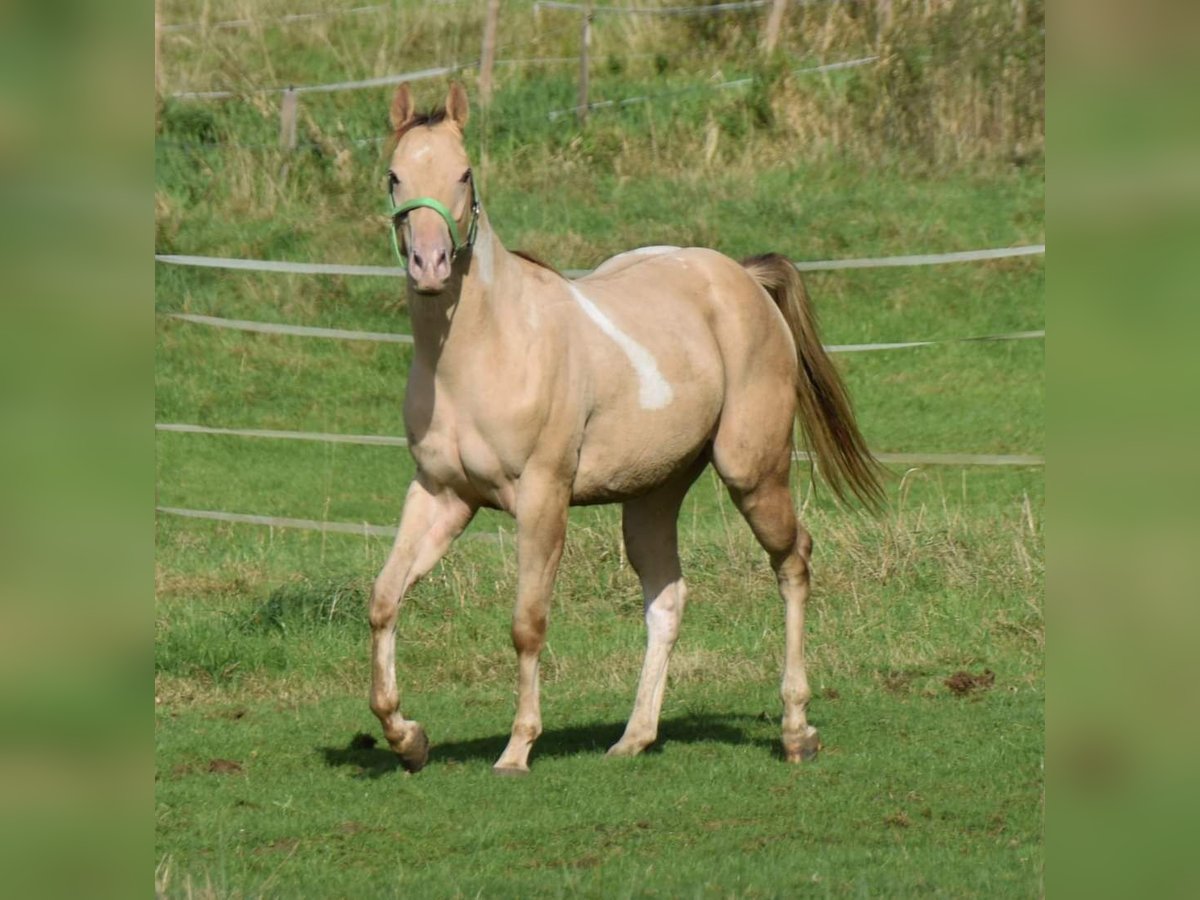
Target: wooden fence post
{"x":883,"y":15}
{"x":774,"y":22}
{"x":585,"y":44}
{"x":487,"y":56}
{"x":287,"y":127}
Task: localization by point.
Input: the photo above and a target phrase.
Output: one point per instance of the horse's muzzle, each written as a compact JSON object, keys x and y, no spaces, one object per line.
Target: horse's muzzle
{"x":429,"y":270}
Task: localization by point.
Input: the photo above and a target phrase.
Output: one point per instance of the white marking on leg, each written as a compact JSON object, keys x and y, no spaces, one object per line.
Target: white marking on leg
{"x":663,"y":615}
{"x":653,"y":390}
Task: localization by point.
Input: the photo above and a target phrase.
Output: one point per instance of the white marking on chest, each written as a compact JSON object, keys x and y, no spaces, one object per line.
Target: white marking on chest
{"x":653,"y":390}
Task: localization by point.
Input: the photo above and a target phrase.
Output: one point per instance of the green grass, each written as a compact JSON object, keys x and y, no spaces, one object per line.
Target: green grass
{"x":905,"y":807}
{"x":262,"y":662}
{"x":261,"y":640}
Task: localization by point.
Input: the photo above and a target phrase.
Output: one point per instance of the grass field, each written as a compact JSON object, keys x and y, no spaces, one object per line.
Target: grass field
{"x":925,"y":626}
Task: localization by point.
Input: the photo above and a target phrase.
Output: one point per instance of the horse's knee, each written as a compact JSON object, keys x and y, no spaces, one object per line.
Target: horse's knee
{"x":381,"y":610}
{"x":528,"y":631}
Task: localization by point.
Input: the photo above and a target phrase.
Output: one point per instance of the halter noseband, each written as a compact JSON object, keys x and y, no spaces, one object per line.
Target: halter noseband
{"x":399,"y":212}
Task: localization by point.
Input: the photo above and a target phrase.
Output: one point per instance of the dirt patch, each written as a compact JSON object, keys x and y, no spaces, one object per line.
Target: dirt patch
{"x":224,"y":767}
{"x":898,"y":819}
{"x":963,"y":683}
{"x":831,"y":694}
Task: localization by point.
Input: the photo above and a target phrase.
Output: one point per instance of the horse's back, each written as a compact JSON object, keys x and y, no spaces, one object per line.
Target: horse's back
{"x":675,"y":291}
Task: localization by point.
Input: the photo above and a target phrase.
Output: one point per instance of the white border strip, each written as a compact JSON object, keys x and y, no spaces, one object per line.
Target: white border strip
{"x":926,"y":259}
{"x":936,"y":459}
{"x":297,"y":330}
{"x":388,"y":337}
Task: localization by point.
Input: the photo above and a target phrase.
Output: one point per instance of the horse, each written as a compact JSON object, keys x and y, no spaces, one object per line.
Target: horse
{"x":530,"y":393}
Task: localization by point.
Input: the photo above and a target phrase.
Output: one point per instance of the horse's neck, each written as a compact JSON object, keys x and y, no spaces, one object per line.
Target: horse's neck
{"x":477,"y":307}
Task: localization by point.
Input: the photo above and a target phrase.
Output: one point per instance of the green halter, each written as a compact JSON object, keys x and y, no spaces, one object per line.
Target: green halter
{"x":399,"y":212}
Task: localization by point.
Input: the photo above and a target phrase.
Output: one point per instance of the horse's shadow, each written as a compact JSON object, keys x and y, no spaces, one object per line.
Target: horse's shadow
{"x":373,"y":761}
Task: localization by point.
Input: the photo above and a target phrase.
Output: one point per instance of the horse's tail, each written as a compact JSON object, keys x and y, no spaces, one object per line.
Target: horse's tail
{"x":824,"y":410}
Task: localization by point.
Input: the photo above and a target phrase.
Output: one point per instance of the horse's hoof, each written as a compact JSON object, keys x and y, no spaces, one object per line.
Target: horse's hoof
{"x":805,"y":749}
{"x":623,"y":750}
{"x":414,"y":751}
{"x":509,"y":771}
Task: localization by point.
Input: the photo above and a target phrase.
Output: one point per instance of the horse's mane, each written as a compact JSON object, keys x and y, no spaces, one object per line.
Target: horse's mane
{"x":430,"y":117}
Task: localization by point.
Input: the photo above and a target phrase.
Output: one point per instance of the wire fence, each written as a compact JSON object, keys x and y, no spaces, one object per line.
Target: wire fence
{"x":303,"y":18}
{"x":817,"y":265}
{"x":556,"y":114}
{"x":342,"y":334}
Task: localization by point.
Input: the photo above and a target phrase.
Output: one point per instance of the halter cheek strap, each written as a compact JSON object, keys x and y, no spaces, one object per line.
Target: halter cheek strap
{"x":399,"y":212}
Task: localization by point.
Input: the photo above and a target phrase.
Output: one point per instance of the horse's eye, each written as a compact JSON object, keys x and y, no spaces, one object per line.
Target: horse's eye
{"x":466,"y":177}
{"x":392,"y":180}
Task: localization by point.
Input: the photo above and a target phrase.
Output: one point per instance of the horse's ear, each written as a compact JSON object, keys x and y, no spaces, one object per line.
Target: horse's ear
{"x":402,"y":107}
{"x":457,"y":106}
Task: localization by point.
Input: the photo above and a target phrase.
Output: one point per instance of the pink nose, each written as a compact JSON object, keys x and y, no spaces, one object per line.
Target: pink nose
{"x":429,"y":267}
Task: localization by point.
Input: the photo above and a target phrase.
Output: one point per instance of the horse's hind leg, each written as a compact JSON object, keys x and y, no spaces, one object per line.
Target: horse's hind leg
{"x":758,"y":482}
{"x":651,"y":542}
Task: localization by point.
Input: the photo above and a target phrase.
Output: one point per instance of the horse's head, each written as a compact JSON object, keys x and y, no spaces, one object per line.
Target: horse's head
{"x":435,"y":207}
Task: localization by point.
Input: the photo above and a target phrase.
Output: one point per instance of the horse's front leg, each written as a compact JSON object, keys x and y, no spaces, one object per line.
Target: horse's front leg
{"x":541,"y":528}
{"x":429,"y":524}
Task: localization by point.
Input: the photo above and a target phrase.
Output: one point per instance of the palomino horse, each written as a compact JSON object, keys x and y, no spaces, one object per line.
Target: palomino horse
{"x":530,"y":393}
